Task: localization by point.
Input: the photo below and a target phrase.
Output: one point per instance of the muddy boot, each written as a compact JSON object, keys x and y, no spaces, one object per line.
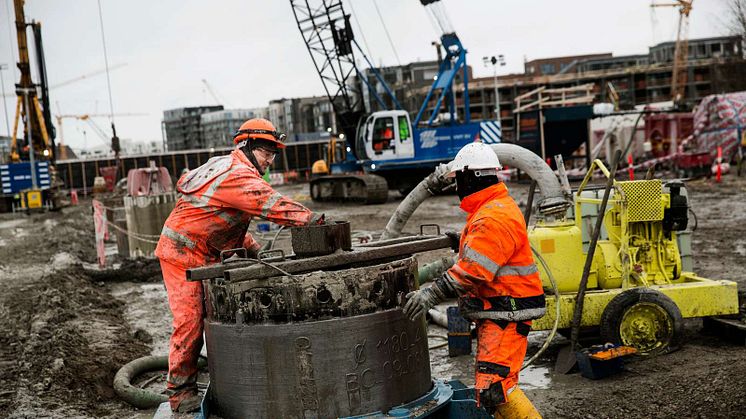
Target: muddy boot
{"x":185,"y":403}
{"x":517,"y":407}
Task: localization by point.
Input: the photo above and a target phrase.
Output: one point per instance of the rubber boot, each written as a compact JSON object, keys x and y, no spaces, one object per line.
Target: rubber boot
{"x":186,"y":402}
{"x":517,"y":407}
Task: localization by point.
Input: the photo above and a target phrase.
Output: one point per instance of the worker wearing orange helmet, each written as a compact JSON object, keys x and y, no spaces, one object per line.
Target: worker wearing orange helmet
{"x":218,"y":201}
{"x":495,"y":278}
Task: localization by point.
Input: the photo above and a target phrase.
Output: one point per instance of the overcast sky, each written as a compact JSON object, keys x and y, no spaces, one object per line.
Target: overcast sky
{"x":250,"y":51}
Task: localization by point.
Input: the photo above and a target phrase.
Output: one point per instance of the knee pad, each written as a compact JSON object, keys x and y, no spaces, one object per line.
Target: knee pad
{"x":492,"y":397}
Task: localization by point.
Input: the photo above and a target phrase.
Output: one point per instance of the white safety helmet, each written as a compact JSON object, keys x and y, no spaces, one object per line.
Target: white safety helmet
{"x":478,"y":157}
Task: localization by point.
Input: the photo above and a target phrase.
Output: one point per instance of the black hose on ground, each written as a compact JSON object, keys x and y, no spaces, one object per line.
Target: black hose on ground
{"x":139,"y":397}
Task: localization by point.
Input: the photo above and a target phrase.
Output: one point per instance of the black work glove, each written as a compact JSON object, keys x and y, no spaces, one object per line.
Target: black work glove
{"x":455,"y":237}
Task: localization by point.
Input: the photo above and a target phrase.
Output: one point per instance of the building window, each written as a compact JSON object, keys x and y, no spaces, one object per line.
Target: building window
{"x":547,"y":69}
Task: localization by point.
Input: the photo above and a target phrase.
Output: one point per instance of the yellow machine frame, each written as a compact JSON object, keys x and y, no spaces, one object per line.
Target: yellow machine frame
{"x":693,"y":295}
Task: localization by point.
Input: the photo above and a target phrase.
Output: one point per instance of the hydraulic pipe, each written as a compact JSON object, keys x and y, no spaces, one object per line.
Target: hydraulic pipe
{"x":432,"y":270}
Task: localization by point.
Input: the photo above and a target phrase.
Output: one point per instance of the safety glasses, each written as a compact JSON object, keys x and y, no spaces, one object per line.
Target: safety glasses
{"x":268,"y":154}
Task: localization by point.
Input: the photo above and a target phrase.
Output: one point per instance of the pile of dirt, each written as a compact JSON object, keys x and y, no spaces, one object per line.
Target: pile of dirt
{"x":62,"y":335}
{"x":130,"y":270}
{"x":63,"y":339}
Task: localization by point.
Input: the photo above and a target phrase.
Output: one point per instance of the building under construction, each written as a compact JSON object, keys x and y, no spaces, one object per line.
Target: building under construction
{"x":715,"y":65}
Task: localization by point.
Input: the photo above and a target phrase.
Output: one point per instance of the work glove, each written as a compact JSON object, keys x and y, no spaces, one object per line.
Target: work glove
{"x":422,"y":300}
{"x":317,"y":219}
{"x":455,"y":237}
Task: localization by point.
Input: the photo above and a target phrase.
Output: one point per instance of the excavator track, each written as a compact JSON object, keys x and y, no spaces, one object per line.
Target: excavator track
{"x":365,"y":189}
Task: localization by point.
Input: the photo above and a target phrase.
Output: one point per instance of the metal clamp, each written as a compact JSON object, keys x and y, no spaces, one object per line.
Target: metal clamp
{"x":266,"y":255}
{"x":423,"y":226}
{"x":240,"y":251}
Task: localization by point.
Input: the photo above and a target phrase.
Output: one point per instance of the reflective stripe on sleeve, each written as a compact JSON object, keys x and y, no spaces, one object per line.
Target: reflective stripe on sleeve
{"x":481,"y":259}
{"x":178,"y":237}
{"x":271,"y":201}
{"x":515,"y":270}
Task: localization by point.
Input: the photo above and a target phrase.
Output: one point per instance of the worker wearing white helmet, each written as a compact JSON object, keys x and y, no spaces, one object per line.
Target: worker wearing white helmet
{"x":495,"y":278}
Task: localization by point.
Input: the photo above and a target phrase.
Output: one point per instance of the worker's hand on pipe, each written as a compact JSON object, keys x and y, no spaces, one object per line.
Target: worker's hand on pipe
{"x":455,"y":237}
{"x":317,"y":219}
{"x":419,"y":302}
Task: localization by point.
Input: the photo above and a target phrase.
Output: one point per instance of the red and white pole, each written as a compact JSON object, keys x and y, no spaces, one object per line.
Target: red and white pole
{"x":719,"y":171}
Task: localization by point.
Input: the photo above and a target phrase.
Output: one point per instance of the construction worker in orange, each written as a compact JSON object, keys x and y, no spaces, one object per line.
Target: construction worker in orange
{"x":219,"y":200}
{"x":495,"y":278}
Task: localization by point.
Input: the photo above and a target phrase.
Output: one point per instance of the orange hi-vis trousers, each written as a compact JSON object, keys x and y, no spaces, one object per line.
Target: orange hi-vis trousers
{"x":186,"y":302}
{"x":501,"y":348}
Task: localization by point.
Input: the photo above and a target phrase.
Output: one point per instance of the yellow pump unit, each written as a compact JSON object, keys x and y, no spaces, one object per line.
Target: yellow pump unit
{"x":637,"y":290}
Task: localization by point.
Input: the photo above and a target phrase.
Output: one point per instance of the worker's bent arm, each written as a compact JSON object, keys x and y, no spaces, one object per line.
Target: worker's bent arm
{"x":256,"y":197}
{"x":487,"y":247}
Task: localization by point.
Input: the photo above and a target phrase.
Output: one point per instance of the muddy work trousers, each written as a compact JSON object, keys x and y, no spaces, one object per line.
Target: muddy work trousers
{"x":501,"y":348}
{"x":186,"y":302}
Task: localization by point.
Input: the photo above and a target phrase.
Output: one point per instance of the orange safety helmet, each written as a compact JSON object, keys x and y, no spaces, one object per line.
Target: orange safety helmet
{"x":258,"y":129}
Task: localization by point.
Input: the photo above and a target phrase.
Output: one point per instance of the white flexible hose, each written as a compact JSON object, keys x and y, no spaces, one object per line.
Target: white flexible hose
{"x":551,"y":204}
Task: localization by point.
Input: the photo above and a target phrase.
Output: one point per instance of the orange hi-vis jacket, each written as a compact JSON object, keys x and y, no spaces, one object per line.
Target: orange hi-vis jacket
{"x":218,"y":201}
{"x":495,"y":265}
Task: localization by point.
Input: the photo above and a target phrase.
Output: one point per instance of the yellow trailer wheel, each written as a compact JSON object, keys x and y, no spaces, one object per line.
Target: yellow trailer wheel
{"x":644,"y":319}
{"x":646,"y":326}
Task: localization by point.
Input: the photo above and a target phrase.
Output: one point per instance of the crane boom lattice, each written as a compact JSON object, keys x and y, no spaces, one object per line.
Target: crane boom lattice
{"x":328,"y":36}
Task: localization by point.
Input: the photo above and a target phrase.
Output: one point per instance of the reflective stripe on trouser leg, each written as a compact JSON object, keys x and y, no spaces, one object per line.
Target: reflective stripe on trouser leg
{"x":500,"y":354}
{"x":185,"y":301}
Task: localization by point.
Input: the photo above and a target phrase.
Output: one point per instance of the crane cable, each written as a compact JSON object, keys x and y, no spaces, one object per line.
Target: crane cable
{"x":360,"y":28}
{"x":386,"y":30}
{"x":106,"y":63}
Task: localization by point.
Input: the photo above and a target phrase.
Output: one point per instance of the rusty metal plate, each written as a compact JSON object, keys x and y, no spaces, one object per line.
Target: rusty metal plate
{"x":319,"y":240}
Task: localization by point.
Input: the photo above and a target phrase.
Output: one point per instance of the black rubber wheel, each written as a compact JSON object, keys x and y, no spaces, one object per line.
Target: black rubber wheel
{"x":644,"y":319}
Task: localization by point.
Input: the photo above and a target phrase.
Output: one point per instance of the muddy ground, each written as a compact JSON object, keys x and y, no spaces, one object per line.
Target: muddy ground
{"x":65,"y":328}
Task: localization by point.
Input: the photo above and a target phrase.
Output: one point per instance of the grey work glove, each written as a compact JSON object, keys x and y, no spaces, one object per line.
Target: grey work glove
{"x":455,"y":237}
{"x":422,"y":300}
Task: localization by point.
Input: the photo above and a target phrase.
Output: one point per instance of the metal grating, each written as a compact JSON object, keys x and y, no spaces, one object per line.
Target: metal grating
{"x":643,"y":200}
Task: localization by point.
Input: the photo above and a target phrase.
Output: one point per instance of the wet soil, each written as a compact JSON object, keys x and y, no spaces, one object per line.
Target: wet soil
{"x":62,"y":334}
{"x":65,"y":327}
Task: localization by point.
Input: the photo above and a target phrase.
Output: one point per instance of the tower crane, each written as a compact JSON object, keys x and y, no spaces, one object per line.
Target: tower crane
{"x":88,"y":118}
{"x":213,"y":94}
{"x":681,"y":51}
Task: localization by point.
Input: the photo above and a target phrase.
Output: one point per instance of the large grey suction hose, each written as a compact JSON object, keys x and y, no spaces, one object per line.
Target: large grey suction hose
{"x":552,"y":204}
{"x":429,"y":186}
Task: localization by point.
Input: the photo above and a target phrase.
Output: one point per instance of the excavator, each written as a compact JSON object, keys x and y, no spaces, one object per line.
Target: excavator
{"x":387,"y":149}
